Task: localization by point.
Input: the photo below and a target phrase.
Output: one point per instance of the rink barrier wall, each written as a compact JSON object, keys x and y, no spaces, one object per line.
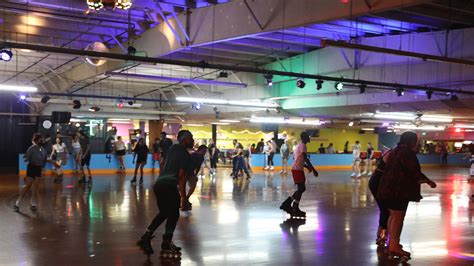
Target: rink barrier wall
{"x":101,"y":165}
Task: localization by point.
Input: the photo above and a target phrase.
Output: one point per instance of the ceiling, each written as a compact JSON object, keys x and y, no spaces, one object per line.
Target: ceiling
{"x":69,"y":24}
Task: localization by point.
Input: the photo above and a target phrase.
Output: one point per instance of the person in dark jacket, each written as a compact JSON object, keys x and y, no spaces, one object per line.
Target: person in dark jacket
{"x":141,"y":154}
{"x":400,"y":184}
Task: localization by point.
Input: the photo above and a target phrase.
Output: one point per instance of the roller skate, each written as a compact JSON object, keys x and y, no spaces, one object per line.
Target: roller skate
{"x":187,"y":207}
{"x":399,"y":254}
{"x":145,"y":243}
{"x":33,"y":208}
{"x":286,"y":205}
{"x":381,"y":240}
{"x":16,"y":208}
{"x":296,"y":213}
{"x":133,"y":182}
{"x":169,"y":249}
{"x":141,"y":180}
{"x":82,"y":180}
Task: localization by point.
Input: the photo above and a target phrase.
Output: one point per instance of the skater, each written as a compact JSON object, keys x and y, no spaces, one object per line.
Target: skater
{"x":76,"y":153}
{"x":140,"y":152}
{"x":300,"y":161}
{"x":356,"y":148}
{"x":36,"y":157}
{"x":238,"y":147}
{"x":59,"y":154}
{"x":285,"y":155}
{"x":165,"y":144}
{"x":400,"y":184}
{"x":346,"y":147}
{"x":168,"y":198}
{"x":369,"y":160}
{"x":248,"y":157}
{"x":213,"y":156}
{"x":271,"y":153}
{"x":120,"y":151}
{"x":330,"y":149}
{"x":444,"y":153}
{"x":239,"y":163}
{"x":85,"y":157}
{"x":196,"y":162}
{"x":156,"y":153}
{"x":260,"y":146}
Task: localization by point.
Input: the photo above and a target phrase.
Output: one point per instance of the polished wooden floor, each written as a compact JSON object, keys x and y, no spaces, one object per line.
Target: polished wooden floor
{"x":234,"y":222}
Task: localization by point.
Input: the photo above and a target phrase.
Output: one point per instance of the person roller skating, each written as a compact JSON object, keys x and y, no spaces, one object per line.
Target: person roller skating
{"x":168,"y":198}
{"x":300,"y":161}
{"x":192,"y":175}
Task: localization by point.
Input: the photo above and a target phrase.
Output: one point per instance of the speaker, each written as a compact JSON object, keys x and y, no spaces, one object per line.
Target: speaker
{"x":60,"y":117}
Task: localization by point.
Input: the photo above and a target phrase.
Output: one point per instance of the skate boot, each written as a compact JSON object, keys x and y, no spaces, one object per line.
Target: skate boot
{"x":297,"y":213}
{"x":286,"y":205}
{"x":145,"y":243}
{"x":187,"y":207}
{"x":16,"y":208}
{"x":82,"y":180}
{"x":60,"y":178}
{"x":381,"y":240}
{"x":141,"y":180}
{"x":33,"y":208}
{"x":399,"y":254}
{"x":133,"y":181}
{"x":169,"y":249}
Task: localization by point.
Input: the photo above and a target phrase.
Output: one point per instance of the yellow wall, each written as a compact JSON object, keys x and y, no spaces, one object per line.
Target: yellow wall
{"x":246,"y":136}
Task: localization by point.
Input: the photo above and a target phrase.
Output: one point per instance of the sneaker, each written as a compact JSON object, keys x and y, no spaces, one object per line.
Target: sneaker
{"x":353,"y":174}
{"x":282,"y":172}
{"x":369,"y":173}
{"x":266,"y":168}
{"x":359,"y":175}
{"x":364,"y":173}
{"x":271,"y":168}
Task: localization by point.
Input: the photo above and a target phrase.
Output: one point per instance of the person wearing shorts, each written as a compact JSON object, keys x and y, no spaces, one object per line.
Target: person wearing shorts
{"x":119,"y":147}
{"x":300,"y":161}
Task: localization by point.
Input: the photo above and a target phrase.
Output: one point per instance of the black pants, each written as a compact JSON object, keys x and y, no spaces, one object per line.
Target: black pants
{"x":168,"y":201}
{"x":214,"y":163}
{"x":270,"y":159}
{"x":384,"y":212}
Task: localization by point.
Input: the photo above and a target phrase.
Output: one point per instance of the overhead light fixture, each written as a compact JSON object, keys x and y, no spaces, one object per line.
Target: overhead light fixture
{"x":220,"y":123}
{"x":196,"y":106}
{"x":95,"y":4}
{"x":76,"y":104}
{"x":283,"y":120}
{"x":425,"y":128}
{"x":6,"y":55}
{"x":300,"y":83}
{"x":120,"y":104}
{"x":319,"y":84}
{"x":227,"y":102}
{"x":351,"y":123}
{"x":463,"y":126}
{"x":229,"y":121}
{"x":362,"y":88}
{"x":368,"y":129}
{"x":45,"y":99}
{"x":454,"y":97}
{"x":94,"y":109}
{"x":269,"y":79}
{"x":123,"y":4}
{"x":178,"y":80}
{"x":429,"y":94}
{"x":5,"y":87}
{"x":411,"y":117}
{"x":400,"y":92}
{"x":194,"y":125}
{"x":223,"y":74}
{"x":338,"y":86}
{"x":22,"y":97}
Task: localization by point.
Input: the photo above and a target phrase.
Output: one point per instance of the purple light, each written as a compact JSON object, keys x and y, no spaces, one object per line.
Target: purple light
{"x":385,"y":124}
{"x":22,"y":97}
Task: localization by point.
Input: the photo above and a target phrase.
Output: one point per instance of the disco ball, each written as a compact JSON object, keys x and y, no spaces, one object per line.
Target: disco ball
{"x":96,"y":47}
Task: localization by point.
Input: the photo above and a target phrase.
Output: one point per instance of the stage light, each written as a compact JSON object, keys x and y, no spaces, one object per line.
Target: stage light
{"x":120,"y":104}
{"x":269,"y":79}
{"x":5,"y":87}
{"x":429,"y":94}
{"x":300,"y":83}
{"x":454,"y":97}
{"x":338,"y":86}
{"x":362,"y":88}
{"x":458,"y":130}
{"x":319,"y":84}
{"x":123,"y":4}
{"x":6,"y":55}
{"x":95,"y":4}
{"x":223,"y":74}
{"x":400,"y":92}
{"x":76,"y":104}
{"x":351,"y":123}
{"x":45,"y":99}
{"x":130,"y":103}
{"x":22,"y":97}
{"x":78,"y":125}
{"x":196,"y":106}
{"x":94,"y":109}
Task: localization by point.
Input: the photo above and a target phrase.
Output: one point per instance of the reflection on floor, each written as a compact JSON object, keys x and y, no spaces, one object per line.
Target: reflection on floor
{"x":235,"y":222}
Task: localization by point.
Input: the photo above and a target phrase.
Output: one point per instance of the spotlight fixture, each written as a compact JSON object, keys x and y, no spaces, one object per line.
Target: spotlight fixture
{"x":223,"y":74}
{"x":130,"y":103}
{"x":454,"y":97}
{"x":45,"y":99}
{"x":300,"y":83}
{"x":123,"y":4}
{"x":269,"y":78}
{"x":362,"y":88}
{"x":95,"y":4}
{"x":6,"y":55}
{"x":120,"y":104}
{"x":319,"y":84}
{"x":338,"y":86}
{"x":22,"y":97}
{"x":76,"y":104}
{"x":351,"y":123}
{"x":131,"y":50}
{"x":196,"y":106}
{"x":94,"y":109}
{"x":429,"y":94}
{"x":400,"y":92}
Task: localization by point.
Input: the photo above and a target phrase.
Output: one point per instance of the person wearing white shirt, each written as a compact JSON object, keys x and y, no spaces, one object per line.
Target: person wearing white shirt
{"x":356,"y":149}
{"x":59,"y":154}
